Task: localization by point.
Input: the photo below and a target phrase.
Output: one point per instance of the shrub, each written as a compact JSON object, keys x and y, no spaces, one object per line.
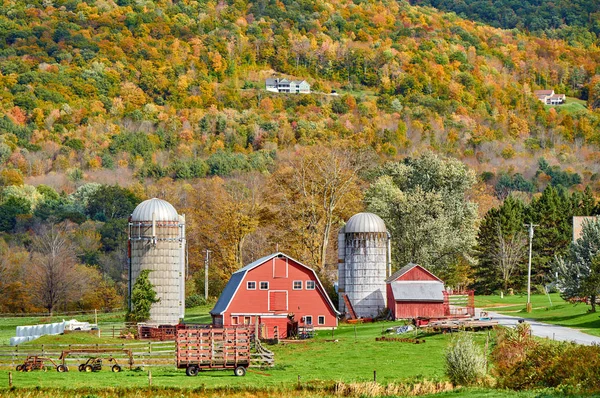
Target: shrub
{"x":194,"y":300}
{"x":465,"y":362}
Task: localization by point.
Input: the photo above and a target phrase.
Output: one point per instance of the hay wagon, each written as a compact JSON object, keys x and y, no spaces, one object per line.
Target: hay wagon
{"x":213,"y":349}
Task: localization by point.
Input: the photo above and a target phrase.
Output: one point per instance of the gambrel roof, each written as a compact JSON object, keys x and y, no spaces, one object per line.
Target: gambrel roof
{"x":237,"y":278}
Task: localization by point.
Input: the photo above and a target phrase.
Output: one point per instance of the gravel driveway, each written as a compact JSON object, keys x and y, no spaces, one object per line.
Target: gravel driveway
{"x":541,"y":329}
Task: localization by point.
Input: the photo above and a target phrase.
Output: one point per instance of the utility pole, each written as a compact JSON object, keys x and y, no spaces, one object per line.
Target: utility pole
{"x":206,"y":274}
{"x":530,"y":226}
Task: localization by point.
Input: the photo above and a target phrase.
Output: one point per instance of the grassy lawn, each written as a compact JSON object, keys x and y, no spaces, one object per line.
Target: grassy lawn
{"x":350,"y":355}
{"x":559,"y":313}
{"x":571,"y":105}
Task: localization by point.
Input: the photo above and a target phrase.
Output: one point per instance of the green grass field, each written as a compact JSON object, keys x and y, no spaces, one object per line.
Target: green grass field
{"x":552,"y":310}
{"x":572,"y":105}
{"x":350,"y":355}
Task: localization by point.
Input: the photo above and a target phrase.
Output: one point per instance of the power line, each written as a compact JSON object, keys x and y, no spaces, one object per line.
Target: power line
{"x":531,"y":227}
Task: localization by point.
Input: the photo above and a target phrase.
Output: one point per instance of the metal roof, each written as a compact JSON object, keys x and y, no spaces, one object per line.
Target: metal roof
{"x":163,"y":211}
{"x":407,"y":268}
{"x":228,"y":293}
{"x":418,"y":291}
{"x":365,"y":222}
{"x":237,"y":278}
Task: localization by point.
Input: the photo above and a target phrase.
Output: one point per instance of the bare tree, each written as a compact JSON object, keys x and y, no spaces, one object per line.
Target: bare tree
{"x":315,"y":191}
{"x":508,"y":252}
{"x":55,"y":276}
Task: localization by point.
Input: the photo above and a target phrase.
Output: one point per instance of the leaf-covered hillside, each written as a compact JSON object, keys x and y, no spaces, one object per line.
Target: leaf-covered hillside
{"x":161,"y":88}
{"x":577,"y":21}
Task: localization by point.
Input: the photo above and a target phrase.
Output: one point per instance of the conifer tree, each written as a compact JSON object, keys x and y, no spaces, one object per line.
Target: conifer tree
{"x":143,"y":296}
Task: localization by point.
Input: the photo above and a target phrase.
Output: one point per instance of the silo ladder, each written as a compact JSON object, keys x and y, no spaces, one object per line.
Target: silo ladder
{"x":349,"y":307}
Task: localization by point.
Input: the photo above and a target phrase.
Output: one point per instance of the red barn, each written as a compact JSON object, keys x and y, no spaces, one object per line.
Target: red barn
{"x":413,"y":292}
{"x":270,"y":290}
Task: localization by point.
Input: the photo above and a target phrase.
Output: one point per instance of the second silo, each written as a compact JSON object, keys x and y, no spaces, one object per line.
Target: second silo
{"x":157,"y":243}
{"x":363,"y":261}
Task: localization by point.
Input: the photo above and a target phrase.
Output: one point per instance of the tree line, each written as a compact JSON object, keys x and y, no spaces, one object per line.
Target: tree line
{"x":68,"y":252}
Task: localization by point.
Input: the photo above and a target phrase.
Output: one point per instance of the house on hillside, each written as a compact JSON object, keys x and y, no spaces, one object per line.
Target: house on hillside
{"x":414,"y":292}
{"x":548,"y":97}
{"x":287,"y":86}
{"x":278,"y":293}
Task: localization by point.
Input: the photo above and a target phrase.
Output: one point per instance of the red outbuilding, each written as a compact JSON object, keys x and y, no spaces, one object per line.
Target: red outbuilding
{"x":414,"y":292}
{"x":275,"y":291}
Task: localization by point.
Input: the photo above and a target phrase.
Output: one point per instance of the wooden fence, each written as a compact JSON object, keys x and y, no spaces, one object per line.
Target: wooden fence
{"x":151,"y":353}
{"x":145,"y":353}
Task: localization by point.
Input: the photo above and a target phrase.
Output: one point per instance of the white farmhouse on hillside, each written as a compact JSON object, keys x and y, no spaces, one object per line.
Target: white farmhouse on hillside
{"x":548,"y":97}
{"x":288,"y":86}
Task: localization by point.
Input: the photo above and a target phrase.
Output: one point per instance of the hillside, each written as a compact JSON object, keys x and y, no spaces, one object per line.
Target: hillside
{"x":158,"y":89}
{"x":577,"y":21}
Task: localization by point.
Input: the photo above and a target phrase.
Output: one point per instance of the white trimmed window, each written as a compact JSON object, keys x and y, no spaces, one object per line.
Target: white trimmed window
{"x":297,"y":285}
{"x":234,"y":320}
{"x":264,"y":286}
{"x":251,"y":285}
{"x":321,"y":320}
{"x":308,"y":319}
{"x":310,"y":285}
{"x":247,"y":320}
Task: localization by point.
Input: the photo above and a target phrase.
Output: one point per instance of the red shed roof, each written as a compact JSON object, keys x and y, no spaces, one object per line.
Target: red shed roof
{"x":407,"y":268}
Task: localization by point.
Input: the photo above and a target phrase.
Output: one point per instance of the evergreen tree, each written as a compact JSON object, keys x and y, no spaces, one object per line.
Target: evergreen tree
{"x":502,"y":224}
{"x":579,"y":270}
{"x":143,"y":296}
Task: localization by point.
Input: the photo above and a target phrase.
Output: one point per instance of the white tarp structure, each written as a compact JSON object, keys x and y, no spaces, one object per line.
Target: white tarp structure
{"x":28,"y":333}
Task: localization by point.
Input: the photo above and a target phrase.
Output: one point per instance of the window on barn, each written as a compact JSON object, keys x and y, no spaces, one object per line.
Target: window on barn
{"x":251,"y":286}
{"x":234,"y":320}
{"x":297,"y":285}
{"x":310,"y":285}
{"x":321,"y":320}
{"x":264,"y":286}
{"x":308,"y":320}
{"x":247,"y":320}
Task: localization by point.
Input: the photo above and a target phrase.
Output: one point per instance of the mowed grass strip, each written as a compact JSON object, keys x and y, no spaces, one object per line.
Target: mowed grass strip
{"x":553,"y":310}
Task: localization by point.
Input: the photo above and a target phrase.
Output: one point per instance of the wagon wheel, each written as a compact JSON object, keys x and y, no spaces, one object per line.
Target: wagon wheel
{"x":116,"y":368}
{"x":88,"y":368}
{"x":27,"y":368}
{"x":19,"y":368}
{"x":191,"y":370}
{"x":240,"y":371}
{"x":81,"y":367}
{"x":62,"y":368}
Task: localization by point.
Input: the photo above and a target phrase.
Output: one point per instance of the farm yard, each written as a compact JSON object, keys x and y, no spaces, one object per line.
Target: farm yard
{"x":326,"y":365}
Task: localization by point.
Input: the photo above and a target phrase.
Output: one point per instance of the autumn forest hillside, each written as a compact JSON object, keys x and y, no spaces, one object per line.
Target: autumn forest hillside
{"x":167,"y":99}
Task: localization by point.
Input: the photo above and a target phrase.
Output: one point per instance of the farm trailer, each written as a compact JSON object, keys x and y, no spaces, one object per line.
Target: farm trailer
{"x":214,"y":349}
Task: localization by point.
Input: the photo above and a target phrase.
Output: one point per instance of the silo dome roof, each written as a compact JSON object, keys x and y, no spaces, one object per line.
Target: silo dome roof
{"x":365,"y":222}
{"x":163,"y":211}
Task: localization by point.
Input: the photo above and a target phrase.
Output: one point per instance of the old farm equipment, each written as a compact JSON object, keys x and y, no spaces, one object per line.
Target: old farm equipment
{"x":213,"y":349}
{"x":34,"y":362}
{"x":94,"y":364}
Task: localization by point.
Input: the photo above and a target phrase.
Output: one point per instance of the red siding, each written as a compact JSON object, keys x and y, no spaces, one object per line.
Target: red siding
{"x":414,"y":309}
{"x":272,"y":301}
{"x":417,"y":274}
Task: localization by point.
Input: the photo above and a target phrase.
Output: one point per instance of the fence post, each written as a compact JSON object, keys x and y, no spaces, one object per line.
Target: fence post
{"x":150,"y":377}
{"x":10,"y":384}
{"x":375,"y":376}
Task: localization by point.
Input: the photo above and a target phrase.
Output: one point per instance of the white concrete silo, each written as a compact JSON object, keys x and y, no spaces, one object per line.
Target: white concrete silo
{"x":157,"y":243}
{"x":363,"y":264}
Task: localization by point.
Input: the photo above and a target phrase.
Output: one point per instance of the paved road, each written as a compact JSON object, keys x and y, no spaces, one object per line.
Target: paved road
{"x":546,"y":330}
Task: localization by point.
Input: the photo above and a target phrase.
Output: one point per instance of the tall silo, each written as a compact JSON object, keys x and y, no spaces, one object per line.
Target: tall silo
{"x":157,"y":243}
{"x":363,"y":264}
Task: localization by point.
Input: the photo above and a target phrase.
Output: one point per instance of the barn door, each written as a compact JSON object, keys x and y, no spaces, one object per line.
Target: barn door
{"x":280,"y":268}
{"x":278,"y":300}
